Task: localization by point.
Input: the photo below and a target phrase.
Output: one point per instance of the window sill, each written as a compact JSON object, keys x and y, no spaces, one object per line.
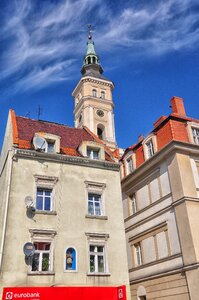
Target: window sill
{"x":96,"y":217}
{"x":45,"y":212}
{"x":98,"y":274}
{"x":40,"y":273}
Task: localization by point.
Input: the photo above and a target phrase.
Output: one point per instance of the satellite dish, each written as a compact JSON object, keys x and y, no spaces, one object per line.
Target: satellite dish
{"x":28,"y":249}
{"x":40,"y":143}
{"x":28,"y":201}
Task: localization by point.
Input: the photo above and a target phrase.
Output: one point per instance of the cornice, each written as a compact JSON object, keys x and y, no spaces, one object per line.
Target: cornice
{"x":93,"y":80}
{"x":66,"y":159}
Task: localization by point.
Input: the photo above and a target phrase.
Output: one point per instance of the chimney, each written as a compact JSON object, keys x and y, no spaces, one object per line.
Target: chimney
{"x":177,"y":106}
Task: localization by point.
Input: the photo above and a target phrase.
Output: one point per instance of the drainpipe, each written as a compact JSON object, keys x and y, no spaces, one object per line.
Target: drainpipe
{"x":10,"y":161}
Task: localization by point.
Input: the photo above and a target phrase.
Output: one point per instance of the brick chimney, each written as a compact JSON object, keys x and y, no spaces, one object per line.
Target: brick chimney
{"x":177,"y":106}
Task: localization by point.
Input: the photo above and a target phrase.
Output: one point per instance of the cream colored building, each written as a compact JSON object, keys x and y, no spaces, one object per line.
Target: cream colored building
{"x":60,"y":192}
{"x":160,"y":188}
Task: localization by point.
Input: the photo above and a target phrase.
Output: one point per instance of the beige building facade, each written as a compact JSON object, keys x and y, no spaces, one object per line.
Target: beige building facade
{"x":161,"y":208}
{"x":61,"y":217}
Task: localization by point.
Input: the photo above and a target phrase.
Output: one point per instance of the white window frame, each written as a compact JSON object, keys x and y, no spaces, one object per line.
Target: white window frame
{"x":150,"y":141}
{"x":92,"y":153}
{"x":96,"y":255}
{"x":41,"y":253}
{"x":132,"y":204}
{"x":43,"y":236}
{"x":138,"y":254}
{"x":45,"y":183}
{"x":190,"y":127}
{"x":129,"y":165}
{"x":96,"y":188}
{"x":96,"y":199}
{"x":98,"y":240}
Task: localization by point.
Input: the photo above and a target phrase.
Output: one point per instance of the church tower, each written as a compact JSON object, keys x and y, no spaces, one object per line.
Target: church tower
{"x":93,"y":98}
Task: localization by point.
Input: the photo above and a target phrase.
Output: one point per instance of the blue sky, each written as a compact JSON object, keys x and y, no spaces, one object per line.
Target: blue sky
{"x":148,"y":48}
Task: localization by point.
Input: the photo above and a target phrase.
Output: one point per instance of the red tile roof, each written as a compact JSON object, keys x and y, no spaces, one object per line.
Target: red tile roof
{"x":24,"y":130}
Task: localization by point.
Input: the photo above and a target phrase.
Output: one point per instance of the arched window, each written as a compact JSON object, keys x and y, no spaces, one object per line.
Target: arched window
{"x":100,"y":131}
{"x":71,"y":259}
{"x":94,"y":93}
{"x":102,"y":94}
{"x":94,"y":60}
{"x":89,"y":60}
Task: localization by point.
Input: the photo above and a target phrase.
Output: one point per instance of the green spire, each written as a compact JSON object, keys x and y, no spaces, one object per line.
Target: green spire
{"x":91,"y":59}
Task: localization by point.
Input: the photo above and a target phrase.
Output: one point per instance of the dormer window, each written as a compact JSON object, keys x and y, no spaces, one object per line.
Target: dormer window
{"x":51,"y":146}
{"x":92,"y":150}
{"x":46,"y":142}
{"x":93,"y":153}
{"x":94,"y":93}
{"x":195,"y":133}
{"x":129,"y":163}
{"x":150,"y":148}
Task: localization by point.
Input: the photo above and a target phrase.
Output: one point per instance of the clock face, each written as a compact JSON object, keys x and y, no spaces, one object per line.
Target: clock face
{"x":100,"y":113}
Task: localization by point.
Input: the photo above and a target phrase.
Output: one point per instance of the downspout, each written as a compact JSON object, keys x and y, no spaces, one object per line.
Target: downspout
{"x":10,"y":160}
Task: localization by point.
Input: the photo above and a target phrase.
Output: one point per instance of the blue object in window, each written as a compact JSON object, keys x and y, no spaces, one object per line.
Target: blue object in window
{"x":70,"y":259}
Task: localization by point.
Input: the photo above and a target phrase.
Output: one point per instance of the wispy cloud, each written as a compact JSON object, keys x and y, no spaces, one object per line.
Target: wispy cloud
{"x":41,"y":40}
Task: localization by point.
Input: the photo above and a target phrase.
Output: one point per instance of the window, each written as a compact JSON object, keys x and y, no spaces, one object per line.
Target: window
{"x":94,"y":92}
{"x":43,"y":199}
{"x":50,"y":147}
{"x":41,"y":258}
{"x":94,"y":204}
{"x":102,"y":94}
{"x":100,"y":131}
{"x":97,"y":255}
{"x":142,"y":297}
{"x":97,"y":259}
{"x":195,"y":133}
{"x":149,"y":148}
{"x":70,"y":263}
{"x":138,"y":254}
{"x":93,"y":153}
{"x":132,"y":205}
{"x":129,"y":163}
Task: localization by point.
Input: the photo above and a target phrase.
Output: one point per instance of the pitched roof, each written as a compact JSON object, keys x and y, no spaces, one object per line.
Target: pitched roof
{"x":24,"y":130}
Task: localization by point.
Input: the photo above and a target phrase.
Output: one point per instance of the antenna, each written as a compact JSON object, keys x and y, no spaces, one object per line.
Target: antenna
{"x":39,"y":112}
{"x":27,"y":115}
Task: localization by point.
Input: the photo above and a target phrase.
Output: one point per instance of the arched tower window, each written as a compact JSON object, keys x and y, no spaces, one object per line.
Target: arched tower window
{"x":100,"y":131}
{"x":89,"y":60}
{"x":94,"y":93}
{"x":70,"y":259}
{"x":102,"y":94}
{"x":94,"y":60}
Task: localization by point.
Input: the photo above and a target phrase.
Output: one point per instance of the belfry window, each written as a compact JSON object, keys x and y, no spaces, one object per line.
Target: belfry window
{"x":102,"y":94}
{"x":94,"y":92}
{"x":89,"y":60}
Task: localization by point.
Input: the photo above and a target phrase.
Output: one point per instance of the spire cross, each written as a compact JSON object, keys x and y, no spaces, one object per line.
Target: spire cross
{"x":90,"y":29}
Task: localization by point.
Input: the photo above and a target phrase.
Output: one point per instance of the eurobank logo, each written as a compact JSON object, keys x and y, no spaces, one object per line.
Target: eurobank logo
{"x":11,"y":295}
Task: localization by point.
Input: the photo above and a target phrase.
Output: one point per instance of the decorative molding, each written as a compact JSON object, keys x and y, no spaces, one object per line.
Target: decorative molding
{"x":74,"y":160}
{"x":97,"y":236}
